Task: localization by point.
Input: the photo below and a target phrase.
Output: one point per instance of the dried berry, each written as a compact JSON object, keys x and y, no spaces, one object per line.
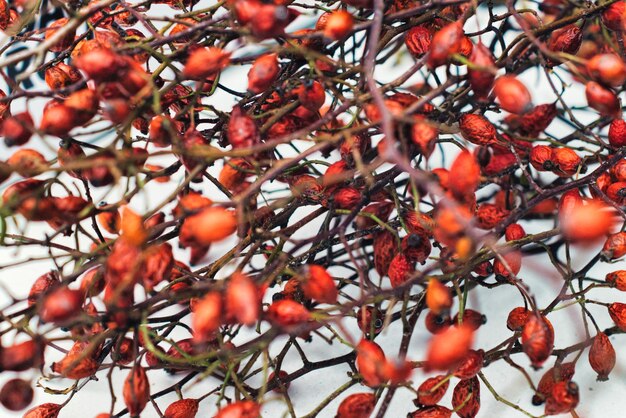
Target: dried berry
{"x":357,"y":405}
{"x":136,"y":391}
{"x":16,"y":394}
{"x":512,"y":94}
{"x":602,"y":356}
{"x":537,"y":339}
{"x":183,"y":408}
{"x":477,"y":129}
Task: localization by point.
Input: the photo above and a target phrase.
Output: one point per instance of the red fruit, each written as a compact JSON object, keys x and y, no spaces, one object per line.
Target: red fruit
{"x":338,"y":25}
{"x":22,"y":356}
{"x":180,"y":349}
{"x":319,"y":285}
{"x":400,"y":269}
{"x":566,"y":40}
{"x":17,"y":129}
{"x":464,"y":174}
{"x":477,"y":129}
{"x":336,"y":173}
{"x":369,"y":319}
{"x":615,"y":246}
{"x":136,"y":391}
{"x":619,"y":171}
{"x":6,"y":15}
{"x":42,"y":285}
{"x":45,"y":410}
{"x":466,"y":398}
{"x":566,"y":161}
{"x":608,"y":69}
{"x":438,"y":297}
{"x":564,"y":398}
{"x":614,"y":17}
{"x":212,"y":224}
{"x":563,"y":372}
{"x":602,"y":99}
{"x":480,"y":75}
{"x":418,"y":40}
{"x":587,"y":222}
{"x":116,"y":110}
{"x":488,"y":215}
{"x":58,"y":119}
{"x":416,"y":247}
{"x":448,"y":348}
{"x":381,"y":210}
{"x":512,"y":94}
{"x":514,"y":232}
{"x":270,"y":20}
{"x":603,"y":182}
{"x":436,"y":323}
{"x":537,"y":339}
{"x":163,"y":129}
{"x":617,"y":192}
{"x":287,"y":313}
{"x":61,"y":305}
{"x":445,"y":43}
{"x":569,"y":201}
{"x":205,"y":62}
{"x":61,"y":75}
{"x":424,"y":134}
{"x":398,"y":372}
{"x":65,"y":41}
{"x":484,"y":269}
{"x":432,"y":412}
{"x":27,"y":163}
{"x":311,"y":95}
{"x":242,"y":299}
{"x":123,"y":351}
{"x":517,"y":318}
{"x":263,"y":73}
{"x":245,"y":10}
{"x":242,"y":131}
{"x":100,"y":64}
{"x":534,"y":122}
{"x":617,"y":279}
{"x":602,"y":356}
{"x":16,"y":394}
{"x":99,"y":173}
{"x":132,"y":228}
{"x":183,"y":408}
{"x":234,"y":173}
{"x":84,"y":104}
{"x":357,"y":405}
{"x":347,"y":198}
{"x":419,"y":223}
{"x":470,"y":365}
{"x":471,"y":318}
{"x":157,"y":265}
{"x":541,"y":158}
{"x":240,"y":409}
{"x":370,"y":362}
{"x":466,"y":47}
{"x":77,"y":363}
{"x":451,"y":224}
{"x":432,"y":390}
{"x":207,"y":316}
{"x":121,"y":265}
{"x":617,"y":312}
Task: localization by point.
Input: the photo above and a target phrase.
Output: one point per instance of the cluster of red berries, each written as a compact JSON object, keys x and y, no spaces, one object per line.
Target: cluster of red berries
{"x":313,"y":199}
